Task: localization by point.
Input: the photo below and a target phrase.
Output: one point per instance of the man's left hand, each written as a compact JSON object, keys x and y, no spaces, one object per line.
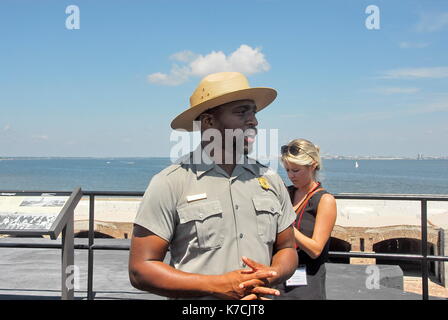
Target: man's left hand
{"x":257,"y":287}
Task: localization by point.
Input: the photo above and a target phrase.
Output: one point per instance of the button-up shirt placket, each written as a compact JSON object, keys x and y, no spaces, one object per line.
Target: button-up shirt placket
{"x":236,"y":211}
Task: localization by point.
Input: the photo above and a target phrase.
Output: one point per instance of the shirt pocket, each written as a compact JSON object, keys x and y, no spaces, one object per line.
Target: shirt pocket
{"x":206,"y":218}
{"x":268,"y":210}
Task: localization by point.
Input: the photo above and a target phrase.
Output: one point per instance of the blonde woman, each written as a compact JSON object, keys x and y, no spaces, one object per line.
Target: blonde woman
{"x":316,"y":216}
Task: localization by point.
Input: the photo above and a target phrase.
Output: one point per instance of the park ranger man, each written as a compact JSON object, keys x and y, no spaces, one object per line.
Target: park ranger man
{"x":225,"y":218}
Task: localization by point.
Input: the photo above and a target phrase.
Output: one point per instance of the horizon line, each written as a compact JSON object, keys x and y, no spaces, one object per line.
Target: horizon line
{"x":328,"y":157}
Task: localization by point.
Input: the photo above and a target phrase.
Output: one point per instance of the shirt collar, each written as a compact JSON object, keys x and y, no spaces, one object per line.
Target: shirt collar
{"x":202,"y":162}
{"x":205,"y":163}
{"x":250,"y":165}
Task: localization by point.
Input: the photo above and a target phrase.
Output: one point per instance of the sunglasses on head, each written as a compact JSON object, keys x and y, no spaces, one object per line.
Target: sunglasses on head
{"x":293,"y":150}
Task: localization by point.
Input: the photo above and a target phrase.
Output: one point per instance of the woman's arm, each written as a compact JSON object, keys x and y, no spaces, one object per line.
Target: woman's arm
{"x":325,"y":220}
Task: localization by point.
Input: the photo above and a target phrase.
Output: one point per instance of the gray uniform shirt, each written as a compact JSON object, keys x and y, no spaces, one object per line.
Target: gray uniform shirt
{"x":212,"y":219}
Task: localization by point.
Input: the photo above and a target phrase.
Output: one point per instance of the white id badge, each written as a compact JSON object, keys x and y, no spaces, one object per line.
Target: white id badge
{"x":298,"y":278}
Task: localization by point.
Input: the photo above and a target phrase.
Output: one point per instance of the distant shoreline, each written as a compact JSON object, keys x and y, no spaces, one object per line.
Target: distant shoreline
{"x":360,"y":158}
{"x":381,"y":158}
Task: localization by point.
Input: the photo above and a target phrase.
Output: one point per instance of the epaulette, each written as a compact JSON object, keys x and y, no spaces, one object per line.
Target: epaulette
{"x":170,"y":169}
{"x":264,"y":168}
{"x":254,"y":161}
{"x":261,"y":164}
{"x":185,"y":159}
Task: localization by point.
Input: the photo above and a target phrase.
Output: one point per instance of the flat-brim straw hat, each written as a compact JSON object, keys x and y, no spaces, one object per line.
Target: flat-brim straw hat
{"x":220,"y":88}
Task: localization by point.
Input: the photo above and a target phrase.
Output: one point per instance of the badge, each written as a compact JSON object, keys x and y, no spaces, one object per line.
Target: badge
{"x":264,"y":183}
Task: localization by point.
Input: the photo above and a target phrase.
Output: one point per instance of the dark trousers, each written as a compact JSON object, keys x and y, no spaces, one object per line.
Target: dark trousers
{"x":314,"y":290}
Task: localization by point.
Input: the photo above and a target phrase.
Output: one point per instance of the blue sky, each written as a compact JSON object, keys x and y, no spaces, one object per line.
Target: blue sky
{"x":112,"y":87}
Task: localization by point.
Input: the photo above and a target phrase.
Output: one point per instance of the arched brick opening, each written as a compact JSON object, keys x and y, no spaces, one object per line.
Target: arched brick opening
{"x":404,"y":246}
{"x":337,"y":244}
{"x":96,"y":234}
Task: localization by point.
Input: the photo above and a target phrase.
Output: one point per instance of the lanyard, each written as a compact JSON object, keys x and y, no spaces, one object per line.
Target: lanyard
{"x":301,"y":209}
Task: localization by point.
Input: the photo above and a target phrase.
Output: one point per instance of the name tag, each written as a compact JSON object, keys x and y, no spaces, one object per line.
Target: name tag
{"x":196,"y":197}
{"x":298,"y":278}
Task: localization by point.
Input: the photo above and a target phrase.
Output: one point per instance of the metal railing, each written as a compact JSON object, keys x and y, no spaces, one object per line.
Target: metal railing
{"x":424,"y":258}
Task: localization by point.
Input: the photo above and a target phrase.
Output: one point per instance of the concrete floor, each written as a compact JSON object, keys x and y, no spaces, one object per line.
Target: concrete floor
{"x":36,"y":274}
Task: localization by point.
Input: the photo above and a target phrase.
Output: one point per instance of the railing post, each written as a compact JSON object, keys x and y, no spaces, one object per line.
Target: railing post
{"x":424,"y":232}
{"x":68,"y":260}
{"x":442,"y":269}
{"x":91,"y":243}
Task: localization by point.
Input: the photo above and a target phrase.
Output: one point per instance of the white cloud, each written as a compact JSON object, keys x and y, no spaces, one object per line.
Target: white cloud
{"x":431,"y":22}
{"x":245,"y":59}
{"x":184,"y":56}
{"x":7,"y":127}
{"x":396,"y":90}
{"x":366,"y":116}
{"x":292,"y":115}
{"x":431,"y":107}
{"x":434,"y":105}
{"x":126,"y":140}
{"x":71,"y":143}
{"x":40,"y":136}
{"x":413,"y":45}
{"x":416,"y":73}
{"x":178,"y":75}
{"x":213,"y":62}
